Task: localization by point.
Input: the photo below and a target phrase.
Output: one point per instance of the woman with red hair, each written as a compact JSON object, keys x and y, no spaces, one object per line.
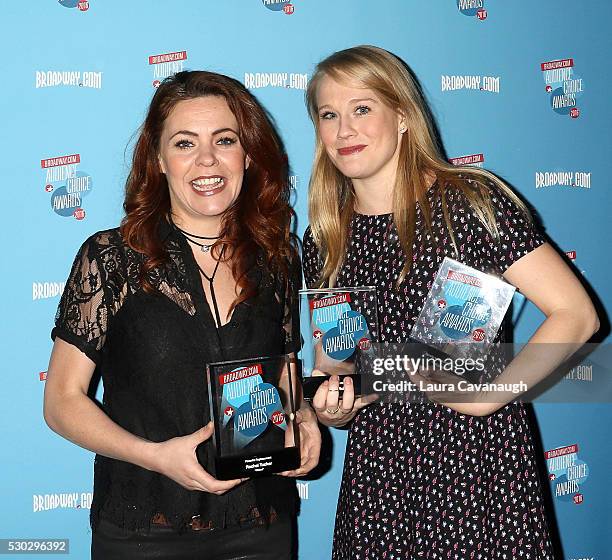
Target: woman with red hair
{"x":202,"y":269}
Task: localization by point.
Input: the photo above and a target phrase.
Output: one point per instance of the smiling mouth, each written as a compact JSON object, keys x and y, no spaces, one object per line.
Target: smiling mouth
{"x":351,"y":150}
{"x":208,"y":185}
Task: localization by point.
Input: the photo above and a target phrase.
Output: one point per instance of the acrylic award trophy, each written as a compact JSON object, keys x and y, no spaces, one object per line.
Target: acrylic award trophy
{"x":463,"y":310}
{"x":252,"y":404}
{"x":338,"y":327}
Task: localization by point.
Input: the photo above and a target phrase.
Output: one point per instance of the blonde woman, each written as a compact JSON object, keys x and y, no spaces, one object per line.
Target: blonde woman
{"x":434,"y":480}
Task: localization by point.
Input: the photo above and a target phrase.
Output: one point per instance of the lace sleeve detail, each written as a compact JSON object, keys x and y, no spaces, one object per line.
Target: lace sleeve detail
{"x":312,"y":260}
{"x":293,"y":338}
{"x":90,"y":297}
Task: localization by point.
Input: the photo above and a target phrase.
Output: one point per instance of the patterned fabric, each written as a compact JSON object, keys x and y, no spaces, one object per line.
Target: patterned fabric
{"x":151,"y":350}
{"x":420,"y":480}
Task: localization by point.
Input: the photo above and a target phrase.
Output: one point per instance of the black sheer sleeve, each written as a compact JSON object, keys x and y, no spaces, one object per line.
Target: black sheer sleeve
{"x":311,"y":260}
{"x":89,"y":300}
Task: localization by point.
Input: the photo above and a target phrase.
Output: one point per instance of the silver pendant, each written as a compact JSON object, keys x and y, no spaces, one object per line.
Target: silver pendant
{"x":205,"y":248}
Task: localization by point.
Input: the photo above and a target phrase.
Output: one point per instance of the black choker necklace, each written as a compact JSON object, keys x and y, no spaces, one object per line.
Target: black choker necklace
{"x":204,"y":247}
{"x":193,"y":234}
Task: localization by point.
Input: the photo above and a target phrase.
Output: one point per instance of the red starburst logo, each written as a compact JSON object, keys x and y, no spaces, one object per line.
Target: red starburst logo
{"x":229,"y":411}
{"x":48,"y":188}
{"x":288,"y":9}
{"x":83,"y":5}
{"x":364,"y":344}
{"x":79,"y":214}
{"x":482,"y":14}
{"x":478,"y":335}
{"x":574,"y":112}
{"x":278,"y":418}
{"x":578,"y":498}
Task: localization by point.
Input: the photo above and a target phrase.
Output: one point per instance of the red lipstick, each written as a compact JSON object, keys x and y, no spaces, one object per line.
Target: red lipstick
{"x":351,"y":149}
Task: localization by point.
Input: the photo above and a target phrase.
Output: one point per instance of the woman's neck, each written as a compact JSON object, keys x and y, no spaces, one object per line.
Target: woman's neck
{"x":373,"y":196}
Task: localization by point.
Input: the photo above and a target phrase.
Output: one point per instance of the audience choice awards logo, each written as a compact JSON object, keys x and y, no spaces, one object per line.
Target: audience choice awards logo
{"x":67,"y":185}
{"x":473,"y":8}
{"x":165,"y":65}
{"x":284,"y":6}
{"x":572,"y":256}
{"x":567,"y":473}
{"x":563,"y":85}
{"x":82,"y":5}
{"x":473,"y":160}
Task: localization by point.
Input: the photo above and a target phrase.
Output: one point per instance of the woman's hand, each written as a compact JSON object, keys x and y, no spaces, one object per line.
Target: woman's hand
{"x":310,"y":441}
{"x":176,"y":459}
{"x":333,"y":411}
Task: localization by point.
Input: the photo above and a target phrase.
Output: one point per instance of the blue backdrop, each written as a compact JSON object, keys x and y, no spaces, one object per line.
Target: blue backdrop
{"x":521,"y":87}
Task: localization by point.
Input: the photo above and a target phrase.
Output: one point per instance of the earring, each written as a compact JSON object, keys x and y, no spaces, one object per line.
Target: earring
{"x":402,"y":130}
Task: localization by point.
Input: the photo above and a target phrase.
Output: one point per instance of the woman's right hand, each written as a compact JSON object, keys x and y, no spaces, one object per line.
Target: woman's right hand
{"x":176,"y":459}
{"x":334,"y":411}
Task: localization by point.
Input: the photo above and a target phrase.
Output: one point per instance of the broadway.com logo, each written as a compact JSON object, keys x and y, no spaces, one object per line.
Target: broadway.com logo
{"x":66,"y":500}
{"x":257,"y":80}
{"x":73,"y":78}
{"x":574,"y":179}
{"x":476,"y":83}
{"x":563,"y":85}
{"x":47,"y":290}
{"x":474,"y":160}
{"x":67,"y":185}
{"x":165,"y":65}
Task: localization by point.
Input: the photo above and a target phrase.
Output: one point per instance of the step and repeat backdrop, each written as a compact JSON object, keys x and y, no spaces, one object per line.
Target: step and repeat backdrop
{"x":520,"y":88}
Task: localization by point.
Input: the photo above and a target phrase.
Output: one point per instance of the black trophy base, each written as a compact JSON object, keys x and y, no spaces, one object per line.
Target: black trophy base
{"x":257,"y":464}
{"x":311,"y":384}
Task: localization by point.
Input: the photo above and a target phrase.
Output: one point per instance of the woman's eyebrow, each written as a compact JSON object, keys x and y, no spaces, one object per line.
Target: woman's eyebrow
{"x":351,"y":101}
{"x":195,"y":134}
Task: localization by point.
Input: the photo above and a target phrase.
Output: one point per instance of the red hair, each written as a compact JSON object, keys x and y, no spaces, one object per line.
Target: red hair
{"x":259,"y":222}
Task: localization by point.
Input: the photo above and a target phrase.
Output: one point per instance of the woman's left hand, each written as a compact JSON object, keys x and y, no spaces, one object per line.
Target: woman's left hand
{"x":310,"y":441}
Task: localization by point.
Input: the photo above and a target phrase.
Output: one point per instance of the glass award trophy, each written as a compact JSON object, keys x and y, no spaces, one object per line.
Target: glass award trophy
{"x":252,"y":404}
{"x":338,"y":326}
{"x":463,"y":310}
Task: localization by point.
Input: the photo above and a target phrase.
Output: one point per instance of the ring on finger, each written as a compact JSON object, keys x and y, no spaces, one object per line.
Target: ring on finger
{"x":333,"y":390}
{"x":332,"y":411}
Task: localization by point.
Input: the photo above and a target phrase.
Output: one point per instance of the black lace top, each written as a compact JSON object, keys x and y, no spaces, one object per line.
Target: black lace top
{"x":151,"y":351}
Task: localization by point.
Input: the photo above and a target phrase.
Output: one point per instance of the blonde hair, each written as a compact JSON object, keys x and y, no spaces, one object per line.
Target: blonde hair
{"x":331,"y":196}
